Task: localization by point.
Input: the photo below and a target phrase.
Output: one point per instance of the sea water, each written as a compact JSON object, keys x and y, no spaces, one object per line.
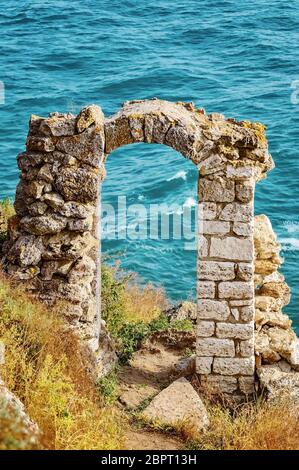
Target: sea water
{"x":239,"y":58}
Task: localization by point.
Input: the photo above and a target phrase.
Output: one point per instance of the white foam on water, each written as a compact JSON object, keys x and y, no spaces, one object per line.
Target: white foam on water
{"x":179,"y":175}
{"x":290,"y":244}
{"x":190,"y":202}
{"x":292,"y":227}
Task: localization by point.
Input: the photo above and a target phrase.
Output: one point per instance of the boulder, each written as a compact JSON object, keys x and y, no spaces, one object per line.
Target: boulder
{"x":294,"y":358}
{"x":12,"y":411}
{"x":11,"y":404}
{"x":265,"y":240}
{"x":183,"y":311}
{"x":275,"y":343}
{"x":282,"y":341}
{"x":177,"y":404}
{"x":263,"y":348}
{"x":277,"y":290}
{"x":278,"y":383}
{"x":272,"y":319}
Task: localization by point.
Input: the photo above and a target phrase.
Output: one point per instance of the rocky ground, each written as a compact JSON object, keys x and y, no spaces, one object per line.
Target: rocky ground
{"x":162,"y":359}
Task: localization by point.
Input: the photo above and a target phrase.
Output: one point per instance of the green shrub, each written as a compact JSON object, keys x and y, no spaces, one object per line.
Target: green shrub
{"x":108,"y":387}
{"x":129,"y":338}
{"x":130,"y":335}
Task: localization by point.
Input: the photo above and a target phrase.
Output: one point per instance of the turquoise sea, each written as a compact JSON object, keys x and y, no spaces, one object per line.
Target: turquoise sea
{"x":239,"y":58}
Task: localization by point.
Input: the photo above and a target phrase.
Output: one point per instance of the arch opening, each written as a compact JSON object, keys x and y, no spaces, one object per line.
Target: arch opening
{"x":152,"y":190}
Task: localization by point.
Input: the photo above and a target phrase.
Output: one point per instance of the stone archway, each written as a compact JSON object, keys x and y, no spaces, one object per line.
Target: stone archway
{"x":54,"y":244}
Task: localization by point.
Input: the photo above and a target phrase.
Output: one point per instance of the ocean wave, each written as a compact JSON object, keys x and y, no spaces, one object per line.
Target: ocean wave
{"x":179,"y":175}
{"x":290,"y":244}
{"x":292,"y":227}
{"x":190,"y":202}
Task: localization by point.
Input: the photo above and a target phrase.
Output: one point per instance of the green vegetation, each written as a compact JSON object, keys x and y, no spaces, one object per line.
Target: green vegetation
{"x":6,"y":211}
{"x":121,"y":303}
{"x":108,"y":387}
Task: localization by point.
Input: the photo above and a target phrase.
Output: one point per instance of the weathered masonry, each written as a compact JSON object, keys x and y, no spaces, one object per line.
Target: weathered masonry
{"x":54,"y":245}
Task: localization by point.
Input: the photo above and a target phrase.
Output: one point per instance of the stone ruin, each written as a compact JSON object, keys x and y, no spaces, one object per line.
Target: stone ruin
{"x":54,"y":238}
{"x":276,"y":343}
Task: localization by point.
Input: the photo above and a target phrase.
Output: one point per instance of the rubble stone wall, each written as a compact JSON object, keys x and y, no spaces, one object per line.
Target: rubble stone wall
{"x":275,"y":340}
{"x":54,"y":244}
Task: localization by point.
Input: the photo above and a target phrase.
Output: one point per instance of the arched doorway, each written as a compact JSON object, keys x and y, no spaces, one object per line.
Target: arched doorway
{"x":54,"y":238}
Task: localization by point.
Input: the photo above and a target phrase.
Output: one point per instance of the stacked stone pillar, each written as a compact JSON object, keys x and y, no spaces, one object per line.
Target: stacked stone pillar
{"x":53,"y":246}
{"x":225,"y":329}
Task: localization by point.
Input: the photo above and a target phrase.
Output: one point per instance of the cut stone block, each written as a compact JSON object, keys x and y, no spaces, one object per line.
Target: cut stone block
{"x":204,"y":365}
{"x":243,"y":229}
{"x":215,"y":347}
{"x":247,"y":347}
{"x":234,"y":330}
{"x":215,"y":227}
{"x":207,"y":211}
{"x":240,"y":303}
{"x":177,"y":404}
{"x":216,"y":270}
{"x":218,"y":384}
{"x":232,"y":248}
{"x":203,"y":246}
{"x":206,"y":290}
{"x":247,"y":385}
{"x":244,"y":191}
{"x":240,"y":172}
{"x":247,"y":313}
{"x":213,"y":310}
{"x":236,"y":290}
{"x":236,"y":212}
{"x":234,"y":366}
{"x":245,"y":271}
{"x":216,"y":190}
{"x":205,"y":328}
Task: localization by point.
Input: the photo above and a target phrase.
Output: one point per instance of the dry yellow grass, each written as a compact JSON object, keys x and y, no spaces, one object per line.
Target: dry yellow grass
{"x":6,"y":211}
{"x":45,"y":369}
{"x":143,"y":303}
{"x":252,"y":426}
